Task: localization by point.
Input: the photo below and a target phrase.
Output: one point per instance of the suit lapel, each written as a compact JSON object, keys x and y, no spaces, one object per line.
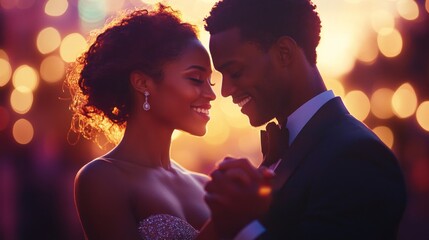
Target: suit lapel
{"x":309,"y":136}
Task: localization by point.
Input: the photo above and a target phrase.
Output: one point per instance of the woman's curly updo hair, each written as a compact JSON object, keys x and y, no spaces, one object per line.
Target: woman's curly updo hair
{"x":138,"y":40}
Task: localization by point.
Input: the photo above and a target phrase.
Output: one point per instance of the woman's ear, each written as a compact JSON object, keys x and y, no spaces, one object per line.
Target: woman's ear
{"x":286,"y":48}
{"x":140,"y":81}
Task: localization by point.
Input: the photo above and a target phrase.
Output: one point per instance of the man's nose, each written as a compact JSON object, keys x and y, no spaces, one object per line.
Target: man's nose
{"x":227,"y":87}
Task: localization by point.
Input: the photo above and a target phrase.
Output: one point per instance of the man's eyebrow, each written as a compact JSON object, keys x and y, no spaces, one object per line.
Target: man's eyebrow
{"x":225,"y":65}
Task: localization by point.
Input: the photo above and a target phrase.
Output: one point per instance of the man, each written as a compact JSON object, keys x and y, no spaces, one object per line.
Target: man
{"x":334,"y":179}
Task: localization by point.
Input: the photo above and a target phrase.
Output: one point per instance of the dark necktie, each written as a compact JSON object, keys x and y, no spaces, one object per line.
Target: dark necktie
{"x":274,"y":142}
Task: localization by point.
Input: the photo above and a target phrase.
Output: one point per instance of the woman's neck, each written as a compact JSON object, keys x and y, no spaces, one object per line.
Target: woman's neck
{"x":146,"y":143}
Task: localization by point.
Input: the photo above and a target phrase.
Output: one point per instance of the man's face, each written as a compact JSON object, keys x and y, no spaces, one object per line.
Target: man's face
{"x":249,"y":75}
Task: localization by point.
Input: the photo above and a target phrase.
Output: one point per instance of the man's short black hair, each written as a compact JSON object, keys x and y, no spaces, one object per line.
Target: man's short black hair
{"x":264,"y":21}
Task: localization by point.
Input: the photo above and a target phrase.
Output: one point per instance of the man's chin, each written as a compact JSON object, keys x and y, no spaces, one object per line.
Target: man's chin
{"x":257,"y":122}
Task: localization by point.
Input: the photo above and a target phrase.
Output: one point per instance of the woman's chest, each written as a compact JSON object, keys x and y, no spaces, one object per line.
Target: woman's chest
{"x":180,"y":196}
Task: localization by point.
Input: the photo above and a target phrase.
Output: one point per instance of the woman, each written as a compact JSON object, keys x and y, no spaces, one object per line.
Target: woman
{"x":148,"y":74}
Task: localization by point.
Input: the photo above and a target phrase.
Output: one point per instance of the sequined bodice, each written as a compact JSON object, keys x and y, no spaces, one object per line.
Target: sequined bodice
{"x":164,"y":226}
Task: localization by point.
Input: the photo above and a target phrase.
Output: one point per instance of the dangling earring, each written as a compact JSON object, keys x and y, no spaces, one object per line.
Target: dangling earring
{"x":146,"y":105}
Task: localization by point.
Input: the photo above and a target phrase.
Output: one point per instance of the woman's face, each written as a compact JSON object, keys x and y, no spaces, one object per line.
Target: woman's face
{"x":182,"y":98}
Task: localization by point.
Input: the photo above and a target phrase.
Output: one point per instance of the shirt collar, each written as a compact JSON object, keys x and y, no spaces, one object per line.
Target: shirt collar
{"x":298,"y":119}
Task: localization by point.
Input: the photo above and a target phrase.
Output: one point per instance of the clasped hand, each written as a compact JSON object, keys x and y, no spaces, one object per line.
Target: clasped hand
{"x":237,"y":194}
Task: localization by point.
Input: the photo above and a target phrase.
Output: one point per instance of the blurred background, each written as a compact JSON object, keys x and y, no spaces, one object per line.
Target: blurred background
{"x":373,"y":53}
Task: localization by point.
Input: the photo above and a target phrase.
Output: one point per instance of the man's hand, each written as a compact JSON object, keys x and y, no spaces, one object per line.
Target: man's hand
{"x":238,"y":194}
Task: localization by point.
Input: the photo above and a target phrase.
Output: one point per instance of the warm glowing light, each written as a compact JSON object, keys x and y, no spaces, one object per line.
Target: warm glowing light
{"x":368,"y":54}
{"x":358,"y":104}
{"x":176,"y":134}
{"x":231,"y":113}
{"x":422,"y":115}
{"x":404,"y":101}
{"x":56,"y":8}
{"x":264,"y":190}
{"x":21,"y":102}
{"x":3,"y":54}
{"x":115,"y":5}
{"x":48,"y":40}
{"x":382,"y":19}
{"x":5,"y":72}
{"x":390,"y":42}
{"x":249,"y":140}
{"x":72,"y":46}
{"x":336,"y":86}
{"x":381,"y":103}
{"x":149,"y":1}
{"x":23,"y":131}
{"x":331,"y":52}
{"x":25,"y":77}
{"x":92,"y":11}
{"x":52,"y":69}
{"x":385,"y":134}
{"x":4,"y":118}
{"x":217,"y":130}
{"x":408,"y":9}
{"x":427,"y":5}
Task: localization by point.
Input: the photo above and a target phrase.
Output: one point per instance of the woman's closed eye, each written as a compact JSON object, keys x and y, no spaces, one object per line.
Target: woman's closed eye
{"x":196,"y":80}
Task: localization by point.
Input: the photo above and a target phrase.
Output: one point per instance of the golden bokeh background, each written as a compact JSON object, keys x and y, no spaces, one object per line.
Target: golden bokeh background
{"x":373,"y":53}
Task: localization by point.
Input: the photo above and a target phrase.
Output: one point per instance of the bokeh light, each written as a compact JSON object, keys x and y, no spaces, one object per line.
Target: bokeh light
{"x":5,"y":72}
{"x":52,"y":69}
{"x":72,"y":46}
{"x":3,"y":55}
{"x":404,"y":101}
{"x":23,"y":131}
{"x":48,"y":40}
{"x":427,"y":5}
{"x":331,"y":53}
{"x":382,"y":19}
{"x":358,"y":104}
{"x":56,"y":8}
{"x":25,"y":77}
{"x":381,"y":103}
{"x":369,"y":53}
{"x":408,"y":9}
{"x":21,"y":101}
{"x":385,"y":134}
{"x":390,"y":42}
{"x":422,"y":115}
{"x":92,"y":11}
{"x":115,"y":5}
{"x":336,"y":86}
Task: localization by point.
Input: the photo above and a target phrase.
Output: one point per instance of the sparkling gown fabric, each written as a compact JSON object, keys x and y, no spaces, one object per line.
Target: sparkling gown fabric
{"x":166,"y":227}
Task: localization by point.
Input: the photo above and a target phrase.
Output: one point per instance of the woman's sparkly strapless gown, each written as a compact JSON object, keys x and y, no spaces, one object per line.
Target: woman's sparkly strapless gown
{"x":166,"y":227}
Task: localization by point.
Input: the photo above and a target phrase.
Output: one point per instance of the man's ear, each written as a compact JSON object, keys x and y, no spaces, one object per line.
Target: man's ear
{"x":286,"y":48}
{"x":140,"y":81}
